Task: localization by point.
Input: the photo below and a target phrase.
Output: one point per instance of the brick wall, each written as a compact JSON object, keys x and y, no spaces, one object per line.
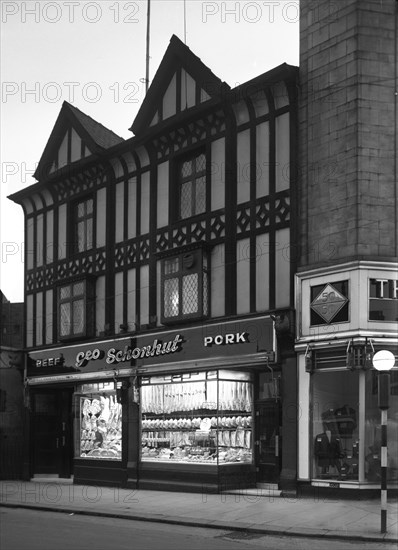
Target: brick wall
{"x":348,"y":130}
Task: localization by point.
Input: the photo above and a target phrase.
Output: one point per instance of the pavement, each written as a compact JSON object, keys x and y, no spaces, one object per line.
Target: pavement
{"x":251,"y":510}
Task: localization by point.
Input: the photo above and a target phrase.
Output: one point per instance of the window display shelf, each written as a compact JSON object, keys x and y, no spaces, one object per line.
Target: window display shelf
{"x":204,"y":420}
{"x":99,"y":430}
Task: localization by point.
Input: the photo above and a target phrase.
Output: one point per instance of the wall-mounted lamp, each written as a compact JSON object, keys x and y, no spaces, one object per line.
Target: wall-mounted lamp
{"x":309,"y":360}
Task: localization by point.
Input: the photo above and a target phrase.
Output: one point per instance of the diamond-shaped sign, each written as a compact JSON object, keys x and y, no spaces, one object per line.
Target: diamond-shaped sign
{"x":328,"y":303}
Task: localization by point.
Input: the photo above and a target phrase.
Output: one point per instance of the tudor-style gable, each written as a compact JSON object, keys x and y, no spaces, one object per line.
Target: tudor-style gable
{"x":181,"y":82}
{"x":75,"y":136}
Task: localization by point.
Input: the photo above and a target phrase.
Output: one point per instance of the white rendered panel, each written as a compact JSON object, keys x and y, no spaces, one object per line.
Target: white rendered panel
{"x":282,"y":154}
{"x":49,"y":317}
{"x":282,"y":268}
{"x":144,"y":295}
{"x":63,"y":152}
{"x":217,"y":283}
{"x":39,"y":319}
{"x":131,"y":298}
{"x":39,"y":240}
{"x":29,"y":243}
{"x":243,"y":276}
{"x":169,"y":99}
{"x":100,"y":305}
{"x":217,"y":170}
{"x":262,"y":160}
{"x":241,"y":112}
{"x":145,"y":203}
{"x":49,"y":252}
{"x":158,"y":292}
{"x":188,"y":90}
{"x":76,"y":146}
{"x":119,"y":215}
{"x":163,"y":195}
{"x":29,"y":321}
{"x":118,"y":301}
{"x":62,"y":239}
{"x":262,"y":272}
{"x":101,"y":217}
{"x":243,"y":167}
{"x":281,"y":97}
{"x":132,"y":208}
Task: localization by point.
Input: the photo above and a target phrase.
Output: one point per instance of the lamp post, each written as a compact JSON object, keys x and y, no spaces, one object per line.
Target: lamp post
{"x":383,"y":361}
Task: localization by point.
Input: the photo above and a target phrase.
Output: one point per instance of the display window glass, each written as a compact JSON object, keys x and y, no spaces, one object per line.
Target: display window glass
{"x":203,"y":418}
{"x":335,"y":409}
{"x":98,"y":430}
{"x":373,"y":429}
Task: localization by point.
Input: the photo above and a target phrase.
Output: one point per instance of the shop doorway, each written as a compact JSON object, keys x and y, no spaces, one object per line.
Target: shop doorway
{"x":52,"y":432}
{"x":268,"y":442}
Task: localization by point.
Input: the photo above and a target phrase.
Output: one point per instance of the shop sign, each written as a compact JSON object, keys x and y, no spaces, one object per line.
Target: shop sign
{"x":251,"y":336}
{"x":225,"y":339}
{"x":383,"y":299}
{"x":384,"y":289}
{"x":127,"y":354}
{"x":328,"y":302}
{"x":50,"y":362}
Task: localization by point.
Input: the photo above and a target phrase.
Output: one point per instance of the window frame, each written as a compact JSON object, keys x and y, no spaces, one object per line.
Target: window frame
{"x":75,"y":219}
{"x":88,"y":298}
{"x":180,"y":180}
{"x":200,"y":267}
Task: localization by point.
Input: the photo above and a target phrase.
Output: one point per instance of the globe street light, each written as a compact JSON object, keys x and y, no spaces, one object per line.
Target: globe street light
{"x":383,"y":361}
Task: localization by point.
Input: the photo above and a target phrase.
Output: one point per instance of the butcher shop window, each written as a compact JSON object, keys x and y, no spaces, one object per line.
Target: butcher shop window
{"x":98,"y":426}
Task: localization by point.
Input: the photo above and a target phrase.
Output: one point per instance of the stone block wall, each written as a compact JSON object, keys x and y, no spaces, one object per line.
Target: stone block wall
{"x":348,"y":131}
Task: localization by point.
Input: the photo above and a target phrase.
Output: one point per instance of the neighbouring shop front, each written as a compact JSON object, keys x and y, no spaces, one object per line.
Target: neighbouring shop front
{"x":194,"y":409}
{"x":347,"y":316}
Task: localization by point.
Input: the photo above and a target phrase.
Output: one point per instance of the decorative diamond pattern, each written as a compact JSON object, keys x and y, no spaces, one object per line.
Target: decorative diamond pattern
{"x":49,"y":275}
{"x":30,"y":281}
{"x":243,"y":220}
{"x":81,"y":183}
{"x":132,"y":253}
{"x":179,"y":236}
{"x":282,"y":209}
{"x":262,"y":215}
{"x":217,"y":227}
{"x":198,"y":230}
{"x":162,"y":241}
{"x":39,"y":279}
{"x":119,"y":256}
{"x":62,"y":270}
{"x":100,"y":261}
{"x":144,"y":249}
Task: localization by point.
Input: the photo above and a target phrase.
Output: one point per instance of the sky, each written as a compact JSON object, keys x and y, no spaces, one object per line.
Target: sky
{"x":92,"y":54}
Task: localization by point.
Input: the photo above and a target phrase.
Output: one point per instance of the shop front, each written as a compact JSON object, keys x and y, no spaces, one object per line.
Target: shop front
{"x":195,"y":409}
{"x":339,"y":424}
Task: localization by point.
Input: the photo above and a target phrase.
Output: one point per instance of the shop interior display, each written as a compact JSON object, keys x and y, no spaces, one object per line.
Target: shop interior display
{"x":101,"y":426}
{"x":203,"y":421}
{"x":336,"y":447}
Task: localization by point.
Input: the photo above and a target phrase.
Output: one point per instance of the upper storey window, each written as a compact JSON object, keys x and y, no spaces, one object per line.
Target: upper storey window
{"x":192,"y":185}
{"x":83,"y":225}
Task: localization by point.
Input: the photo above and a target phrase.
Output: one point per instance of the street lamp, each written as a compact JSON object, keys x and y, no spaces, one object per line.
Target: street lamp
{"x":383,"y":361}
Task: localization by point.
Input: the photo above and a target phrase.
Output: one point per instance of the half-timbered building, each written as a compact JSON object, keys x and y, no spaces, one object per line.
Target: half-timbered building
{"x":159,"y":288}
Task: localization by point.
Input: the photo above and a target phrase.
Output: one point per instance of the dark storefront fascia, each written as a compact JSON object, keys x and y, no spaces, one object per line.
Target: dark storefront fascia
{"x":165,"y":444}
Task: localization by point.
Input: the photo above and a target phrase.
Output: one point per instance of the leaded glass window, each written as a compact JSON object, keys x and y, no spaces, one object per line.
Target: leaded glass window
{"x":192,"y":186}
{"x":185,"y":286}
